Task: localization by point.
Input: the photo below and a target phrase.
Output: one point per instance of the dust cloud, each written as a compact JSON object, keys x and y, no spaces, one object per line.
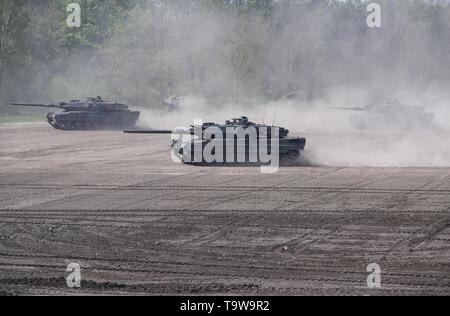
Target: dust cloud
{"x":334,"y":138}
{"x":310,"y":66}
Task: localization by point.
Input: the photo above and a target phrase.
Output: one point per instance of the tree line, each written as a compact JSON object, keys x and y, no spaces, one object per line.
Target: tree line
{"x":240,"y":51}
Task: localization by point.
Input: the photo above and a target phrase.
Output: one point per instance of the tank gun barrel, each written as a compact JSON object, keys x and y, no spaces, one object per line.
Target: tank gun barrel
{"x":350,"y":109}
{"x":169,"y":132}
{"x":37,"y":105}
{"x":148,"y":132}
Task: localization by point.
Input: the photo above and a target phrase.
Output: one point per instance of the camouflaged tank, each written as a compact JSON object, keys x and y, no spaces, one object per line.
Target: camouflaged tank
{"x":91,"y":114}
{"x":186,"y":139}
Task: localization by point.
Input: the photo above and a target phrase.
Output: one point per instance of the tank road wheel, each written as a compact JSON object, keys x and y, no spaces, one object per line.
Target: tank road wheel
{"x":186,"y":153}
{"x":292,"y":157}
{"x":90,"y":126}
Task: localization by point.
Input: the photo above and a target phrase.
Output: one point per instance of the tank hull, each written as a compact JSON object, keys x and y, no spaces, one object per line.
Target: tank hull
{"x":93,"y":120}
{"x":290,"y":151}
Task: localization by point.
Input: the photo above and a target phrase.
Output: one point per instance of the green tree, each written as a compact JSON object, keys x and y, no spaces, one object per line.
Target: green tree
{"x":12,"y":23}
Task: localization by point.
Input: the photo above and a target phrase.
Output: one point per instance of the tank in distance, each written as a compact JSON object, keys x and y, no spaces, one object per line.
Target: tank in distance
{"x":90,"y":114}
{"x":391,"y":115}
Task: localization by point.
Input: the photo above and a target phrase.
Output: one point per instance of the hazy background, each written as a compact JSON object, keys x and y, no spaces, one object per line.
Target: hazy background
{"x":286,"y":61}
{"x":227,"y":51}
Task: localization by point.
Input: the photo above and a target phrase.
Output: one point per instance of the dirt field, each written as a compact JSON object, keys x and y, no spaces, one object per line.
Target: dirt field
{"x":137,"y":223}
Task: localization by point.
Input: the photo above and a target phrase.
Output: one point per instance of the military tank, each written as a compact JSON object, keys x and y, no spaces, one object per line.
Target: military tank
{"x":173,"y":103}
{"x":91,"y":114}
{"x":392,"y":115}
{"x":243,"y":151}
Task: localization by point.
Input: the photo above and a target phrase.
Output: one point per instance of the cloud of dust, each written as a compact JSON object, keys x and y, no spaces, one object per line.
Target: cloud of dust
{"x":316,"y":62}
{"x":333,"y":137}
